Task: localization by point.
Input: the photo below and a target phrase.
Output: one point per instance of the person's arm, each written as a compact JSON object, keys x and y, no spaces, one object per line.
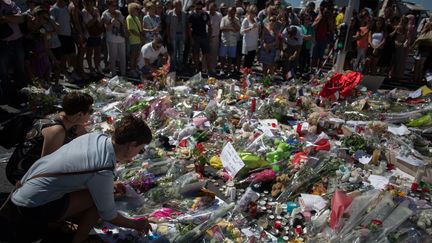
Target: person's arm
{"x":224,"y":26}
{"x":236,"y":25}
{"x":146,"y":27}
{"x":101,"y":187}
{"x":189,"y":31}
{"x":54,"y":137}
{"x":107,"y":23}
{"x":209,"y":26}
{"x":296,"y":53}
{"x":317,"y":21}
{"x":130,"y":24}
{"x":12,"y":19}
{"x":167,"y":57}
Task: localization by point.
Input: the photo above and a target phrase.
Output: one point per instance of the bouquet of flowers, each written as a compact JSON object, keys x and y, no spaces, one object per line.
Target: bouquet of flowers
{"x":160,"y":76}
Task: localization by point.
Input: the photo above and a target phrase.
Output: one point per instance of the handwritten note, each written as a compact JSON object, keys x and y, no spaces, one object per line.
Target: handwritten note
{"x":230,"y":160}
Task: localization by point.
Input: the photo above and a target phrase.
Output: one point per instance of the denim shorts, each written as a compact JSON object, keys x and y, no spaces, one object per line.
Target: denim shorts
{"x":228,"y":51}
{"x":49,"y":212}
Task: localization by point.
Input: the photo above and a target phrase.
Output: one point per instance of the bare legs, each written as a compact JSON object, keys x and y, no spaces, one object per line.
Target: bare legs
{"x":82,"y":208}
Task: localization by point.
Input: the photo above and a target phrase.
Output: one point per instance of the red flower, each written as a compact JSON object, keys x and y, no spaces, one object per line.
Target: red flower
{"x":110,"y":120}
{"x":140,"y":86}
{"x":376,"y":222}
{"x":414,"y":186}
{"x":200,"y":148}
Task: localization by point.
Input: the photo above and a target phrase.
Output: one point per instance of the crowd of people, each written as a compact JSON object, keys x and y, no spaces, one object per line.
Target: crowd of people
{"x":82,"y":38}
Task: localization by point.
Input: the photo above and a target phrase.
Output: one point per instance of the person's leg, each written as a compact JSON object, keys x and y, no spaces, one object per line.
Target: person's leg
{"x":180,"y":51}
{"x":89,"y":52}
{"x":212,"y":53}
{"x":16,"y":57}
{"x":82,"y":208}
{"x":122,"y":58}
{"x":97,"y":57}
{"x":112,"y":52}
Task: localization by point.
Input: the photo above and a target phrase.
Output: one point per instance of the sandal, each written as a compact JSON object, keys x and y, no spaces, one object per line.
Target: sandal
{"x":65,"y":227}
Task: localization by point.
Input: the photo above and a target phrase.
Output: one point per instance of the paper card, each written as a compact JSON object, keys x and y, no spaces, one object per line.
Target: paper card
{"x":399,"y":131}
{"x":312,"y":202}
{"x":415,"y":94}
{"x":267,"y":132}
{"x":230,"y":160}
{"x":411,"y":160}
{"x":336,"y":120}
{"x":270,"y":123}
{"x":378,"y":182}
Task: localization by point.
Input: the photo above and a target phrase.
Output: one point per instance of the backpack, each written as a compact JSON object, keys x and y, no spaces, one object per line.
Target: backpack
{"x":14,"y":130}
{"x":28,"y":151}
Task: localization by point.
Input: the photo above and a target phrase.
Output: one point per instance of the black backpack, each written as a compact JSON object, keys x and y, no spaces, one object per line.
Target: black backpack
{"x":28,"y":151}
{"x":14,"y":130}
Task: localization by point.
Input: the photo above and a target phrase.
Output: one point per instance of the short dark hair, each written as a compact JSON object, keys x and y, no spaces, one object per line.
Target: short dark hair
{"x":132,"y":129}
{"x":75,"y":102}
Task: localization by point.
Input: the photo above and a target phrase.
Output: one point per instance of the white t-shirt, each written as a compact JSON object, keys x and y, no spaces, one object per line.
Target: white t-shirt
{"x":215,"y":21}
{"x":229,"y":38}
{"x":250,"y":38}
{"x":297,"y":40}
{"x":114,"y":35}
{"x":148,"y":52}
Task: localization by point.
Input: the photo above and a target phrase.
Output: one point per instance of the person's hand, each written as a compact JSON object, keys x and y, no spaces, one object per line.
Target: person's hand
{"x":292,"y":58}
{"x":143,"y":226}
{"x":119,"y":189}
{"x":254,"y":25}
{"x":3,"y":20}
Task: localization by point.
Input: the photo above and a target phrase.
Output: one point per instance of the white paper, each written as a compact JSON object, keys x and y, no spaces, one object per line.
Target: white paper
{"x":230,"y":160}
{"x":415,"y":94}
{"x":268,"y":123}
{"x":399,"y":131}
{"x":312,"y":202}
{"x":411,"y":160}
{"x":365,"y":160}
{"x":267,"y":132}
{"x":336,"y":120}
{"x":378,"y":182}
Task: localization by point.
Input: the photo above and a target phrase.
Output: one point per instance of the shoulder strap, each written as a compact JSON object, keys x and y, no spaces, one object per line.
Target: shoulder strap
{"x":19,"y":184}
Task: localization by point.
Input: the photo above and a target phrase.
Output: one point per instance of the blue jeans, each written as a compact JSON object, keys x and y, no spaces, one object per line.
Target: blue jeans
{"x":11,"y":55}
{"x":177,"y":50}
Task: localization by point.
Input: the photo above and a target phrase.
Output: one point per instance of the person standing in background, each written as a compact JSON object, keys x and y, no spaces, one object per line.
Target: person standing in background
{"x":78,"y":36}
{"x":176,"y":34}
{"x":215,"y":21}
{"x":230,"y":27}
{"x":61,"y":15}
{"x":308,"y":39}
{"x":136,"y":36}
{"x":250,"y":31}
{"x":11,"y":51}
{"x":199,"y":31}
{"x":151,"y":23}
{"x":115,"y":36}
{"x":93,"y":31}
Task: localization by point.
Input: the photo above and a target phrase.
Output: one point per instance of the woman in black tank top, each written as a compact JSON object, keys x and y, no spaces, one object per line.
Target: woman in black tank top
{"x":49,"y":134}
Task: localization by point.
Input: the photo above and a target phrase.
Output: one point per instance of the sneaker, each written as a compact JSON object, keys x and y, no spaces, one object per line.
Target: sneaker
{"x":74,"y":76}
{"x":111,"y":74}
{"x":133,"y":74}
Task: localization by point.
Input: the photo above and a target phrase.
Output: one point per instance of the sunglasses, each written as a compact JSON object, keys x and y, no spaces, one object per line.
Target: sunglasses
{"x":272,"y":20}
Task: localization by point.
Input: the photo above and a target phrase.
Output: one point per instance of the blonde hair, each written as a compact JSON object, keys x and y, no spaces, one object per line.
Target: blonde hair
{"x":132,"y":6}
{"x":251,"y":9}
